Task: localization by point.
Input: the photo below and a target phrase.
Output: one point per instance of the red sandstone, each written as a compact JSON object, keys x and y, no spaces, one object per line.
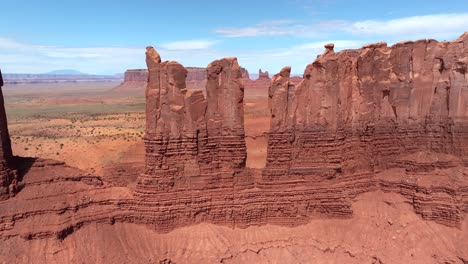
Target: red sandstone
{"x":391,"y":119}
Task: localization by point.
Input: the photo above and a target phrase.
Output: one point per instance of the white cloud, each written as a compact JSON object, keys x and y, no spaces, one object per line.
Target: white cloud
{"x":18,"y":57}
{"x":339,"y":44}
{"x":30,"y":58}
{"x":279,"y":28}
{"x":439,"y":26}
{"x":188,"y":45}
{"x":297,"y":56}
{"x":428,"y":26}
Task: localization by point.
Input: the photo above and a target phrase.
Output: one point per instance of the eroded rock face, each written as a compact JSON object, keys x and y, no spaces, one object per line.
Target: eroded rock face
{"x":338,"y":134}
{"x":8,"y":177}
{"x":357,"y":111}
{"x":192,"y":143}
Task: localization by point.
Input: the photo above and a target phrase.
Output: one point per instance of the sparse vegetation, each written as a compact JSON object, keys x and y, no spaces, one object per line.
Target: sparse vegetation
{"x":49,"y":123}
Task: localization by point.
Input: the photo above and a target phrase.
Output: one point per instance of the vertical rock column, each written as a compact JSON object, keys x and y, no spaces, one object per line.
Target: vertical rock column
{"x":195,"y":147}
{"x":8,"y":178}
{"x":225,"y":116}
{"x":174,"y":118}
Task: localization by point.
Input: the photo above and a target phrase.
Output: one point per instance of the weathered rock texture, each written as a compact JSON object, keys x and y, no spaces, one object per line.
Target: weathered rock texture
{"x":8,"y":177}
{"x":374,"y":119}
{"x":193,"y":147}
{"x":361,"y":112}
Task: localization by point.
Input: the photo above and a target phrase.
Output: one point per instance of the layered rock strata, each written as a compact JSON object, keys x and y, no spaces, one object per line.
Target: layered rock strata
{"x":56,"y":200}
{"x":195,"y":158}
{"x":359,"y":121}
{"x":192,"y":146}
{"x":357,"y":111}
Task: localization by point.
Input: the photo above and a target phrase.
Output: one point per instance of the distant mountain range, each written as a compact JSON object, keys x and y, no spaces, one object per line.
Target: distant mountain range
{"x":66,"y":71}
{"x":59,"y":76}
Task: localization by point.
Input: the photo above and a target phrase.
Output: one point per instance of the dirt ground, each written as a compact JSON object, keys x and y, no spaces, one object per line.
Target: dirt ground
{"x":93,"y":128}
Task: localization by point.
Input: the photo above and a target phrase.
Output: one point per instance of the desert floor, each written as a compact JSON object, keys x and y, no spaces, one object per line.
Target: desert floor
{"x":99,"y":130}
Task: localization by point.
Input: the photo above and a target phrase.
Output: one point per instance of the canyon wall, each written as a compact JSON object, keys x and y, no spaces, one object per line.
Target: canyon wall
{"x":389,"y":118}
{"x":402,"y":108}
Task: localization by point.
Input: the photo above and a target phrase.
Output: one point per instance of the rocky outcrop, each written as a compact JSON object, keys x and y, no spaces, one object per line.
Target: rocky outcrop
{"x":195,"y":158}
{"x":376,"y":118}
{"x":57,"y":200}
{"x":357,"y":111}
{"x":263,"y":75}
{"x":8,"y":176}
{"x":192,"y":144}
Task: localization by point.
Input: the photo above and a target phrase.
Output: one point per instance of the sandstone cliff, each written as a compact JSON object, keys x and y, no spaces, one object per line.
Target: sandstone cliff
{"x":8,"y":176}
{"x":364,"y":111}
{"x":194,"y":146}
{"x":391,"y":119}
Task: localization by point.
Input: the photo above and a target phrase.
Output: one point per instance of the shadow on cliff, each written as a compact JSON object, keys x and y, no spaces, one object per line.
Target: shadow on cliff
{"x":23,"y":165}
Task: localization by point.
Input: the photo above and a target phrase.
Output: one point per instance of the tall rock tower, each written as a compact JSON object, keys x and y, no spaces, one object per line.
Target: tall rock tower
{"x":7,"y":176}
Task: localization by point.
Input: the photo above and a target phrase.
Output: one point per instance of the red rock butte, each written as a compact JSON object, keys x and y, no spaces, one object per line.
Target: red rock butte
{"x":391,"y":119}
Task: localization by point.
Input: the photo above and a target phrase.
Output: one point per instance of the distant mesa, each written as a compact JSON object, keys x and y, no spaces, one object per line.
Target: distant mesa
{"x":67,"y":71}
{"x":135,"y":80}
{"x":58,"y":76}
{"x":263,"y":75}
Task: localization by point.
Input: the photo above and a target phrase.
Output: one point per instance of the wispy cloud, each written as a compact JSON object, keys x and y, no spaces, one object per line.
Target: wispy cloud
{"x":435,"y":26}
{"x":280,"y":28}
{"x":189,"y":45}
{"x":297,"y":56}
{"x":16,"y":56}
{"x":438,"y":26}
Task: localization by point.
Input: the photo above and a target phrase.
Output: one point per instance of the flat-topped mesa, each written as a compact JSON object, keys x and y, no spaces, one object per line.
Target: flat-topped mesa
{"x":8,"y":177}
{"x":136,"y":75}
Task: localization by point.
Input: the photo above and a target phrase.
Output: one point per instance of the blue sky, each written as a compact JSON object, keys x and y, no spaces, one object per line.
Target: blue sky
{"x":107,"y":37}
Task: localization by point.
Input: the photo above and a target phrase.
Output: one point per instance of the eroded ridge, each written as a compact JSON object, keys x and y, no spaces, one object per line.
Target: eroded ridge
{"x":399,"y":111}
